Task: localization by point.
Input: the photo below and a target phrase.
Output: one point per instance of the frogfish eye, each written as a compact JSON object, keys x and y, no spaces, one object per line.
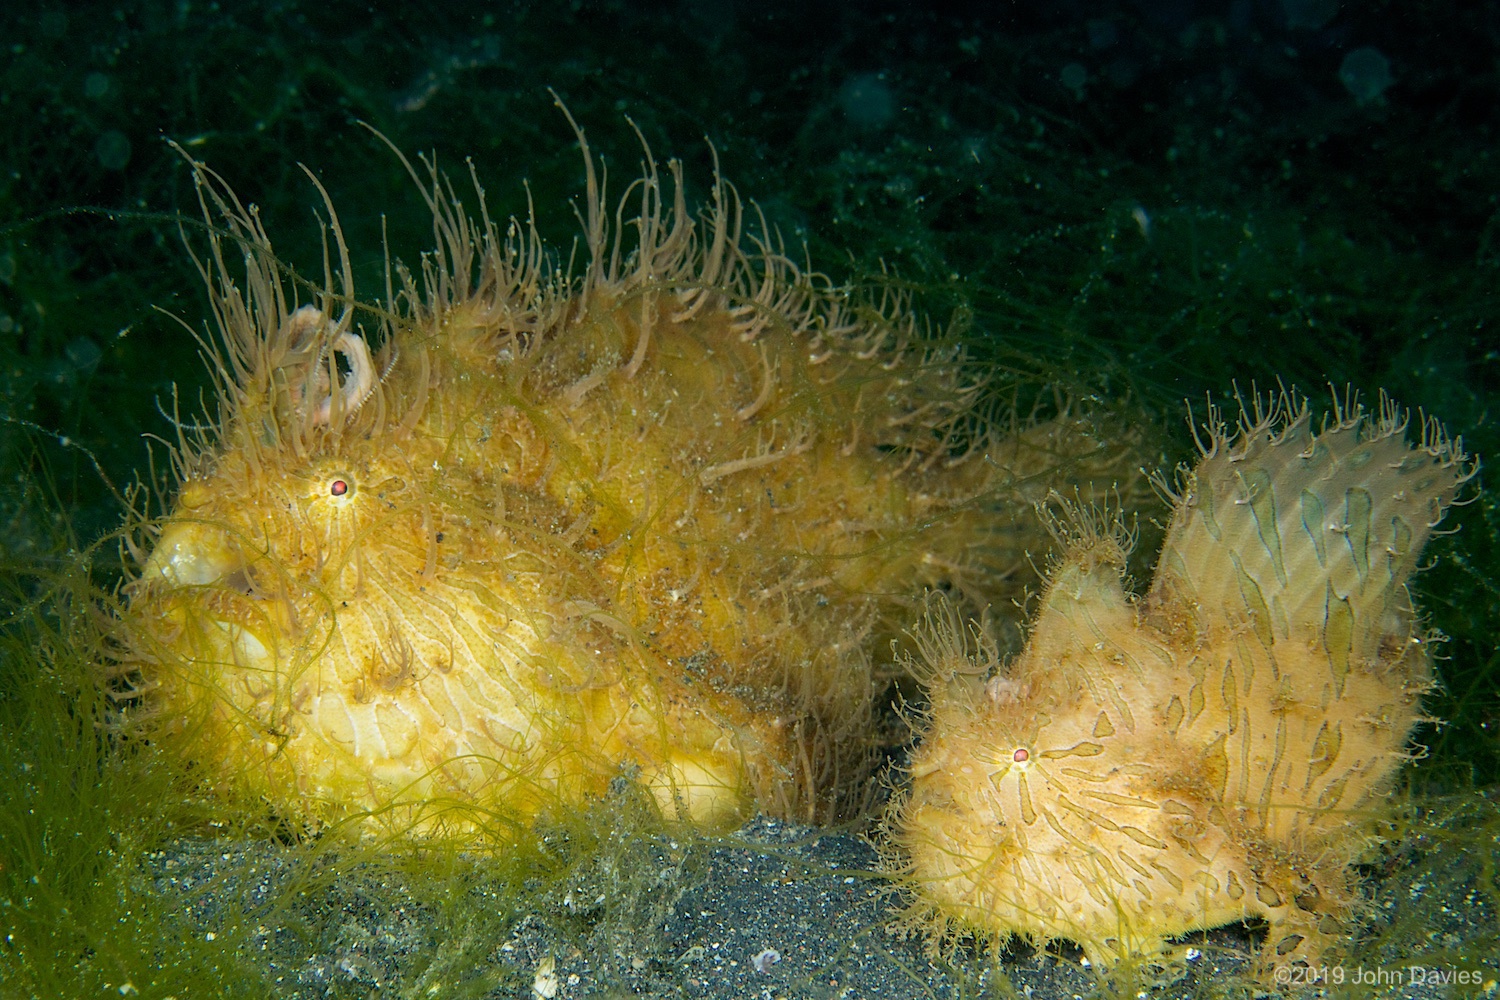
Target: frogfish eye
{"x":338,"y":487}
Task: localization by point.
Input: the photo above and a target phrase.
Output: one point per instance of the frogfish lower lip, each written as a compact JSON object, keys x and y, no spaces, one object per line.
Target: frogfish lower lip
{"x":192,"y":554}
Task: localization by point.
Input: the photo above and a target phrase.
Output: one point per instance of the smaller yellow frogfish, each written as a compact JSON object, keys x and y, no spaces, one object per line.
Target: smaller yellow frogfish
{"x":537,"y":530}
{"x":1218,"y":750}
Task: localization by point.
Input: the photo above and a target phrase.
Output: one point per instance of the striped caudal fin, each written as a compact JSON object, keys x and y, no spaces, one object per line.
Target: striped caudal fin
{"x":1309,"y":537}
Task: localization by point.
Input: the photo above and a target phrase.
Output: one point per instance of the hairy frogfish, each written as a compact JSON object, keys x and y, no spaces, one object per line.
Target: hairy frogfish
{"x":1219,"y":749}
{"x":522,"y":529}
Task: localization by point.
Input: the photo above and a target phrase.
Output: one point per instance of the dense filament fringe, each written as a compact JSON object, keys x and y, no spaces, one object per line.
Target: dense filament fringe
{"x":275,"y":360}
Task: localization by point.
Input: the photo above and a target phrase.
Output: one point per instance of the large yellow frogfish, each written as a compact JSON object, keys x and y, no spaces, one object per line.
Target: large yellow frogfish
{"x":522,"y":529}
{"x":1219,"y":749}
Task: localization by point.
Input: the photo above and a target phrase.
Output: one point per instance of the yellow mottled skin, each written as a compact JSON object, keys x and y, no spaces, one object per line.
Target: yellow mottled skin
{"x":1219,"y":750}
{"x":646,"y":520}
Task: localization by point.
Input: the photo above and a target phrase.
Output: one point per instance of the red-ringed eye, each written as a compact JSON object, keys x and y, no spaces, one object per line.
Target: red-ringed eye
{"x":338,"y":487}
{"x":1022,"y":755}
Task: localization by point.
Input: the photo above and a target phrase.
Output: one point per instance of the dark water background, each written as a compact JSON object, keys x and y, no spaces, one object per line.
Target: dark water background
{"x":1160,"y":199}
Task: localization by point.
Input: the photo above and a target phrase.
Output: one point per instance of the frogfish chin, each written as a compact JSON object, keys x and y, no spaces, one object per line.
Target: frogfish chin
{"x":1217,"y":750}
{"x":519,"y":531}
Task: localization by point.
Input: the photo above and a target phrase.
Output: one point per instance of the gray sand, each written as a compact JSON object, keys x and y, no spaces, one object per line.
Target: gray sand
{"x":774,"y":911}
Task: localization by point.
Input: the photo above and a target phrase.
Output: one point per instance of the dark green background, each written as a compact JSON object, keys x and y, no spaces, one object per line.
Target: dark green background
{"x":998,"y":158}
